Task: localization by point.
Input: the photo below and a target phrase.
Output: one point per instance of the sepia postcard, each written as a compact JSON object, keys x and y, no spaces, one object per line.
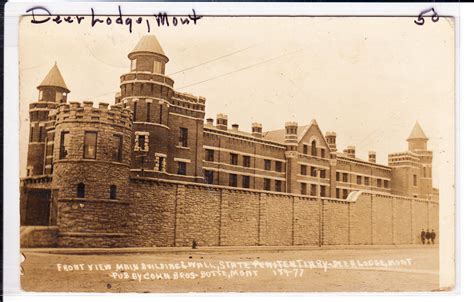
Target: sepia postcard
{"x":196,"y":152}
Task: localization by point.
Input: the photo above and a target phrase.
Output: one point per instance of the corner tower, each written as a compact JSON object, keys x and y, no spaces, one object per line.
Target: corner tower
{"x":52,"y":92}
{"x":91,"y":143}
{"x":412,"y":169}
{"x":147,"y":92}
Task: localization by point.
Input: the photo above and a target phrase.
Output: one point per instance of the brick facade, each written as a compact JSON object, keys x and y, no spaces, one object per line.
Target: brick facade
{"x":149,"y":171}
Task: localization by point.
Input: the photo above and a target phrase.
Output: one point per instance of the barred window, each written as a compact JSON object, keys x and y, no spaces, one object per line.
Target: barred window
{"x":303,"y":169}
{"x":345,"y":177}
{"x":314,"y":151}
{"x":266,"y":184}
{"x":209,"y":155}
{"x":117,"y":148}
{"x":183,"y":137}
{"x":181,"y":168}
{"x":323,"y":191}
{"x":233,"y":180}
{"x":278,"y":166}
{"x":209,"y":176}
{"x":246,"y":181}
{"x":246,"y":162}
{"x":268,"y":164}
{"x":90,"y":145}
{"x":64,"y":145}
{"x":322,"y":173}
{"x":313,"y":190}
{"x":278,"y":185}
{"x":234,"y":159}
{"x":303,"y":189}
{"x":379,"y":182}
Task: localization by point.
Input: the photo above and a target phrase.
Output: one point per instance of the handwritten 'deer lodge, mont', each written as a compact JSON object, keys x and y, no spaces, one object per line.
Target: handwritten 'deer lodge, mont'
{"x":41,"y":15}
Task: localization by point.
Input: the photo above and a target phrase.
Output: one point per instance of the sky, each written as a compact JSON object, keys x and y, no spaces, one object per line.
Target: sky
{"x":369,"y":79}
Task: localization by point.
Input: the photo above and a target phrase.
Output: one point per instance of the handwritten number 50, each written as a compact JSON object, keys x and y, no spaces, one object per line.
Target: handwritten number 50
{"x":425,"y":13}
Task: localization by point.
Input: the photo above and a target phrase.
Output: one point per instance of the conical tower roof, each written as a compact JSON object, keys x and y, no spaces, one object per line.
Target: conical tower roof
{"x":417,"y":133}
{"x":54,"y":79}
{"x":149,"y":44}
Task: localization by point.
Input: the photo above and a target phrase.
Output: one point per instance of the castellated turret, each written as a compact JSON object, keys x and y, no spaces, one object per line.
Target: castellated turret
{"x":91,"y":164}
{"x":51,"y":92}
{"x":163,"y":120}
{"x":412,"y":169}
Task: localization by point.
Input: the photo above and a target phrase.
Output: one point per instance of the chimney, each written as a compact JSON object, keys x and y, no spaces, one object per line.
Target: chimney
{"x":331,"y":140}
{"x":257,"y":129}
{"x":221,"y":121}
{"x":291,"y":135}
{"x":372,"y":157}
{"x":350,"y":151}
{"x":210,"y":121}
{"x":235,"y":127}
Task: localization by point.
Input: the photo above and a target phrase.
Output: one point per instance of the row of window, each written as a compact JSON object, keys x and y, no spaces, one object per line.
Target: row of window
{"x":234,"y":160}
{"x":244,"y":181}
{"x":182,"y":140}
{"x":148,"y":112}
{"x":314,"y":150}
{"x":313,"y":171}
{"x":342,"y":193}
{"x":90,"y":146}
{"x":312,"y":190}
{"x":365,"y":180}
{"x":157,"y":66}
{"x":81,"y":191}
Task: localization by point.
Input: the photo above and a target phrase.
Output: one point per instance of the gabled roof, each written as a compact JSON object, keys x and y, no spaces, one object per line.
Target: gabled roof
{"x":279,"y":135}
{"x":54,"y":79}
{"x":150,"y":44}
{"x":417,"y":132}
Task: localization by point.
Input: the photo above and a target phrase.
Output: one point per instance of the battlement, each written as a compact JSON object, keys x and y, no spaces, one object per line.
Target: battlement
{"x":189,"y":101}
{"x":117,"y":114}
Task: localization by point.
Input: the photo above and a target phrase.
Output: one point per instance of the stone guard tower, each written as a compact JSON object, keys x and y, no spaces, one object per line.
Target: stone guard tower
{"x":91,"y":174}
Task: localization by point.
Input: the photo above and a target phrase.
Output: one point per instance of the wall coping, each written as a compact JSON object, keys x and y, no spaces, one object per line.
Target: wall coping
{"x":308,"y":197}
{"x":84,"y":234}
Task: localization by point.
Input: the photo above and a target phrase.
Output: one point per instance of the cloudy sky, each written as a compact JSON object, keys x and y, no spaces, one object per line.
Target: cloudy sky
{"x":368,"y":79}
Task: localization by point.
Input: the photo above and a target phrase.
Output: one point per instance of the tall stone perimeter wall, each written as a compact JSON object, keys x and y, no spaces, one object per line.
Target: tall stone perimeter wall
{"x":174,"y":214}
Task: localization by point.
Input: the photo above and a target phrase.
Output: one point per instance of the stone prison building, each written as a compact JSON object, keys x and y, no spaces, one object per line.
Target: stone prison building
{"x":150,"y":170}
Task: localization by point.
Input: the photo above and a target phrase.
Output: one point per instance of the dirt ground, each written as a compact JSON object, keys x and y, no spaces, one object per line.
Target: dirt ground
{"x":247,"y":270}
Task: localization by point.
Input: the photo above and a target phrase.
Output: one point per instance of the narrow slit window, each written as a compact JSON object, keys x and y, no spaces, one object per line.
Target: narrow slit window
{"x":81,"y":190}
{"x":113,"y":192}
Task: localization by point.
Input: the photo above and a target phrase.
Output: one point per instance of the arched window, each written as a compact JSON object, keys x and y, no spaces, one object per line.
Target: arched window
{"x":81,"y":190}
{"x":313,"y":148}
{"x":113,"y":192}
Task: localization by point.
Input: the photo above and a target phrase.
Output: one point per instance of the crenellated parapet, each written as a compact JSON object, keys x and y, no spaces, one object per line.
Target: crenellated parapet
{"x":188,"y":104}
{"x":117,"y":115}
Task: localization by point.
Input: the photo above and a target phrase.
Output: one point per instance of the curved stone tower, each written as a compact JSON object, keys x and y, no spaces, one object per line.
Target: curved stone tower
{"x":147,"y":92}
{"x":91,"y":162}
{"x":52,"y":92}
